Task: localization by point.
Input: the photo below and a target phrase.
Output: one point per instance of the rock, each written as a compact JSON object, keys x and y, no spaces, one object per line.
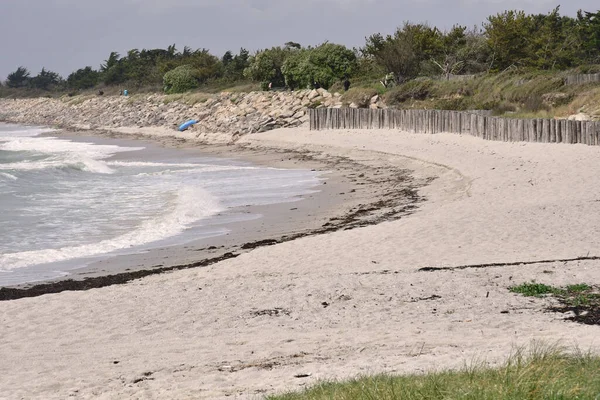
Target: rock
{"x":353,"y":105}
{"x":299,"y":114}
{"x":579,"y":117}
{"x":287,"y":114}
{"x":236,"y":113}
{"x":374,"y":99}
{"x":556,"y":99}
{"x":313,"y":94}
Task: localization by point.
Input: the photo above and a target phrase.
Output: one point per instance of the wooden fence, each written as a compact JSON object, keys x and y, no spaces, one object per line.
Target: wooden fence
{"x":582,"y":78}
{"x":464,"y":123}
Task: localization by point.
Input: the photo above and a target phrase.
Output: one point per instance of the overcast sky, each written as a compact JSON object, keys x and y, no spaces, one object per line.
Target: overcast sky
{"x":64,"y":35}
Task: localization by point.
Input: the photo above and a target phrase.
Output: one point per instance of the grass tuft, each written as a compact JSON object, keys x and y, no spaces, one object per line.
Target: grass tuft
{"x":533,"y":289}
{"x":542,"y":372}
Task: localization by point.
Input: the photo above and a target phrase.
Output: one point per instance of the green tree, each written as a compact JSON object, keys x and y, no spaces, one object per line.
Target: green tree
{"x":206,"y":65}
{"x":113,"y":70}
{"x":266,"y":66}
{"x":83,"y":78}
{"x":460,"y":51}
{"x":589,"y":35}
{"x":403,"y":53}
{"x":555,"y":43}
{"x":508,"y":36}
{"x":227,"y":58}
{"x":45,"y":80}
{"x":234,"y":66}
{"x":293,"y":45}
{"x":181,"y":79}
{"x":18,"y":78}
{"x":322,"y":65}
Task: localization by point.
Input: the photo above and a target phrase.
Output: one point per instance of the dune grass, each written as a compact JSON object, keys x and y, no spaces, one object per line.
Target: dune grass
{"x":542,"y":372}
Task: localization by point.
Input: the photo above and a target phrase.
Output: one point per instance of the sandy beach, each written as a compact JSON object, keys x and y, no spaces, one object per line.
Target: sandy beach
{"x":407,"y":291}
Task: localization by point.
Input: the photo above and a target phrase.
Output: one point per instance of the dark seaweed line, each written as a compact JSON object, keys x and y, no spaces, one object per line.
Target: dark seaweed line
{"x":7,"y":293}
{"x":433,"y":269}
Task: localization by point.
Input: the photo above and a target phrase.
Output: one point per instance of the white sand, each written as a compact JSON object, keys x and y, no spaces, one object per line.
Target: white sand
{"x":194,"y":333}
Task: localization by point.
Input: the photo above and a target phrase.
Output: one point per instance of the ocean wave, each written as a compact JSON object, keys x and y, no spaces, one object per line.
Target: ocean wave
{"x":89,"y":165}
{"x":59,"y":153}
{"x":204,"y":167}
{"x":8,"y":176}
{"x":9,"y":132}
{"x":53,"y":145}
{"x":191,"y":205}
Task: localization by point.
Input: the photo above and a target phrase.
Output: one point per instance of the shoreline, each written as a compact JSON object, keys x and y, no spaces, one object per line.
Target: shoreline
{"x":344,"y":201}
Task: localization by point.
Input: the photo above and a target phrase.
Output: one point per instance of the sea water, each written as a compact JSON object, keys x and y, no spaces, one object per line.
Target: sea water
{"x":66,"y":202}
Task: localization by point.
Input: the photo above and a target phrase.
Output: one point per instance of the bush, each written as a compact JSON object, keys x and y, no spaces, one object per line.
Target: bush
{"x":534,"y":103}
{"x":415,"y":90}
{"x":454,"y":103}
{"x":359,"y":96}
{"x":180,"y":79}
{"x":503,"y":108}
{"x":323,"y":65}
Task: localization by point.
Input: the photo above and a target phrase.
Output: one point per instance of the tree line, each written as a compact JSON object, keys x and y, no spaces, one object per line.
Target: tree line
{"x":505,"y":40}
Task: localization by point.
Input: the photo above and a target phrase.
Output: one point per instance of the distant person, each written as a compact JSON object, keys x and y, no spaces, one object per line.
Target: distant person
{"x":346,"y":84}
{"x":316,"y":85}
{"x":270,"y":86}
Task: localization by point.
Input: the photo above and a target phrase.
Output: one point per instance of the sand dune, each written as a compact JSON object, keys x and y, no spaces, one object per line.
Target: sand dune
{"x":340,"y":304}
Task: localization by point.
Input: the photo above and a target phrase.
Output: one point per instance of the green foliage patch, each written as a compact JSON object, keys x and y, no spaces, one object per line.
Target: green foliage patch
{"x":180,"y":80}
{"x":581,"y":299}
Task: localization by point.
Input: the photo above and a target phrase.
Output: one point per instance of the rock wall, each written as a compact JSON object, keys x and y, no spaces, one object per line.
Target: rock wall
{"x":232,"y":113}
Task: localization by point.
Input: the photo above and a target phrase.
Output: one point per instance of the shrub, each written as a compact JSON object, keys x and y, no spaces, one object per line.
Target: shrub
{"x":324,"y":65}
{"x":180,"y":79}
{"x":415,"y":90}
{"x":453,"y":103}
{"x":503,"y":108}
{"x":359,"y":96}
{"x":534,"y":103}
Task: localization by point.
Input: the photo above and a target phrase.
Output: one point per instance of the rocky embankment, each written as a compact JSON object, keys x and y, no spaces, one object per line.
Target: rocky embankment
{"x":232,"y":113}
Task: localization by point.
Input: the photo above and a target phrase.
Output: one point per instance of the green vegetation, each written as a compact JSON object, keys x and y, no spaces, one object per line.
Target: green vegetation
{"x":181,"y":79}
{"x":359,"y":96}
{"x":84,"y":78}
{"x":542,"y":373}
{"x":581,"y":299}
{"x":19,"y":78}
{"x":320,"y":66}
{"x":534,"y":289}
{"x":417,"y":66}
{"x":578,"y":295}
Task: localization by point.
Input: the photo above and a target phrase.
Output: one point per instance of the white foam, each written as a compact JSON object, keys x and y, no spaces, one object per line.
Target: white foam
{"x":9,"y":176}
{"x":191,"y":205}
{"x":205,"y":167}
{"x":61,"y":154}
{"x":11,"y":131}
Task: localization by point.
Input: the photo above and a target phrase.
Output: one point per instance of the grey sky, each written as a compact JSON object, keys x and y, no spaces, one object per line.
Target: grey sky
{"x":64,"y":35}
